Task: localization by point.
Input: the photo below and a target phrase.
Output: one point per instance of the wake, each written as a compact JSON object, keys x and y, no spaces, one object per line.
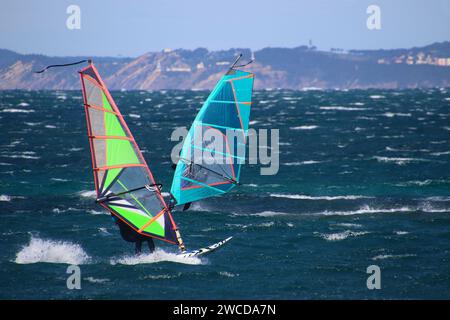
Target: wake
{"x":158,"y":255}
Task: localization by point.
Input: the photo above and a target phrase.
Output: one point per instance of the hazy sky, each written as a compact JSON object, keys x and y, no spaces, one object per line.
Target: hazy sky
{"x":131,"y":27}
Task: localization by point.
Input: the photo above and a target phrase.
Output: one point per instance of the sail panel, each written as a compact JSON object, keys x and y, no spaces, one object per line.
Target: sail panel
{"x":214,"y":149}
{"x":124,"y":183}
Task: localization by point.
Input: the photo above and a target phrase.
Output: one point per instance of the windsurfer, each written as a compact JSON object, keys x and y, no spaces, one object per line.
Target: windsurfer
{"x":129,"y":235}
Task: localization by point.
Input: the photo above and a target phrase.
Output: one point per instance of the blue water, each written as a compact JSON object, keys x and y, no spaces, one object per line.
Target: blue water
{"x":364,"y":180}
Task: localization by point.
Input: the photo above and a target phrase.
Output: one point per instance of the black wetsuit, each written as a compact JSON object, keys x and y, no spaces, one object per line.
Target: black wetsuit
{"x":128,"y":234}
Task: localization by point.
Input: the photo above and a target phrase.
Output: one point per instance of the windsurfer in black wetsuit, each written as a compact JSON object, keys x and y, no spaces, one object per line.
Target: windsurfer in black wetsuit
{"x":129,"y":235}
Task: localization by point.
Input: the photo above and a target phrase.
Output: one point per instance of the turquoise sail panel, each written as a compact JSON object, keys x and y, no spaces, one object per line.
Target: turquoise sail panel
{"x":214,"y":149}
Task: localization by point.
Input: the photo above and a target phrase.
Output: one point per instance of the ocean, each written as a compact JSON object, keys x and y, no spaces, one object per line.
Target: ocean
{"x":364,"y":179}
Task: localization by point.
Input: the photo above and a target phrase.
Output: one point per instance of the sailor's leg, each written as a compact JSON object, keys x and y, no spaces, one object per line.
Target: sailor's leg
{"x":138,"y":247}
{"x":151,"y":245}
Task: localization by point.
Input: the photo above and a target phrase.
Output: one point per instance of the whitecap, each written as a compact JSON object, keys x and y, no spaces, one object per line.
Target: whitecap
{"x":270,"y":214}
{"x":95,"y":212}
{"x":339,"y":108}
{"x":440,"y":153}
{"x":228,"y":274}
{"x":365,"y":210}
{"x":5,"y":198}
{"x":95,"y":280}
{"x":59,"y":179}
{"x":305,"y":197}
{"x":342,"y":235}
{"x":88,"y":194}
{"x":301,"y":163}
{"x":51,"y":251}
{"x":400,"y":161}
{"x":12,"y":110}
{"x":305,"y":127}
{"x":392,"y":114}
{"x":392,"y":256}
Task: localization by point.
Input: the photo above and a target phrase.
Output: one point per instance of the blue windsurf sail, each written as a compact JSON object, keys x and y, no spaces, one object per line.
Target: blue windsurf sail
{"x":214,"y":150}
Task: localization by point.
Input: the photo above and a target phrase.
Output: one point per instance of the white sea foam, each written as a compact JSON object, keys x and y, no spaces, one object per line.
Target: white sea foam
{"x":95,"y":212}
{"x":400,"y":233}
{"x":32,"y":124}
{"x":161,"y":276}
{"x":440,"y":153}
{"x":51,"y":251}
{"x":399,"y":161}
{"x":270,"y":214}
{"x":88,"y":194}
{"x":342,"y":235}
{"x":157,"y":256}
{"x":50,"y":126}
{"x":398,"y":114}
{"x":365,"y":210}
{"x":228,"y":274}
{"x":349,"y":225}
{"x":5,"y":198}
{"x":376,"y":97}
{"x":58,"y":210}
{"x":301,"y":163}
{"x":95,"y":280}
{"x":305,"y":127}
{"x":136,"y":116}
{"x":251,"y":185}
{"x":20,"y":156}
{"x":339,"y":108}
{"x":12,"y":110}
{"x":428,"y":207}
{"x":59,"y":180}
{"x":305,"y":197}
{"x":437,"y":198}
{"x":392,"y":256}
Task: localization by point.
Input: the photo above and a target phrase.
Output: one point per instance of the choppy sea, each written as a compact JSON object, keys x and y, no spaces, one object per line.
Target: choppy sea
{"x":364,"y":179}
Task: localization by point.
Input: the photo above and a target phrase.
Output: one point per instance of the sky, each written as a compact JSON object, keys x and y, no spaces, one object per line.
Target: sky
{"x":131,"y":27}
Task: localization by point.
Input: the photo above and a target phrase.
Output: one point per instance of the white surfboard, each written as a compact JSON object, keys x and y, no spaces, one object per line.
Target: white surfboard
{"x":203,"y":251}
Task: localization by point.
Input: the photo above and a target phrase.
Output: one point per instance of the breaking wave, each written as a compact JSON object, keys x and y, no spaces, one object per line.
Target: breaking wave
{"x":51,"y":251}
{"x":392,"y":256}
{"x":342,"y":235}
{"x":311,"y":127}
{"x":329,"y":198}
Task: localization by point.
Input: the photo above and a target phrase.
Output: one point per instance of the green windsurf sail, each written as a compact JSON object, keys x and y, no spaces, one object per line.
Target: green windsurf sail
{"x":214,"y":149}
{"x":124,"y":184}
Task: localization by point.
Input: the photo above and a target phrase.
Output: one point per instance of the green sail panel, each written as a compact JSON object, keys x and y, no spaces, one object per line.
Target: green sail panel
{"x":124,"y":184}
{"x":214,"y":149}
